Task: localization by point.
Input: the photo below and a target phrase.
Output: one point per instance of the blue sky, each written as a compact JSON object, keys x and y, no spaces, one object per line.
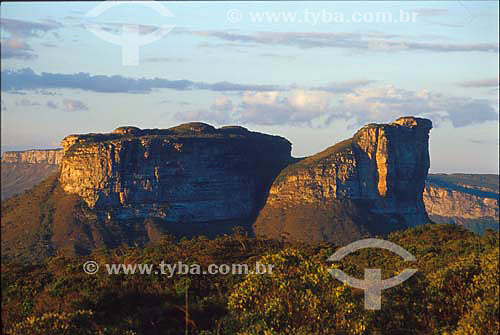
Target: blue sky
{"x":312,"y":83}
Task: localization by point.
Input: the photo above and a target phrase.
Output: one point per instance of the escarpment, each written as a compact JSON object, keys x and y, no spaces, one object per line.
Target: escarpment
{"x":369,"y":184}
{"x":21,"y":170}
{"x":189,"y":173}
{"x":49,"y":156}
{"x":464,"y":199}
{"x":133,"y":185}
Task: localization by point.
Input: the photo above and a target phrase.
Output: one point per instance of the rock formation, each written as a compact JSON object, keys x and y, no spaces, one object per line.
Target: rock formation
{"x":190,"y":173}
{"x":369,"y":184}
{"x":468,"y":200}
{"x":21,"y":170}
{"x":50,"y":156}
{"x":132,"y":185}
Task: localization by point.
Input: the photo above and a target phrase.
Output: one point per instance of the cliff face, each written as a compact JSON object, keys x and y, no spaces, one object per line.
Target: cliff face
{"x":469,"y":200}
{"x":51,"y":156}
{"x":190,"y":173}
{"x":371,"y":183}
{"x":453,"y":203}
{"x":21,"y":170}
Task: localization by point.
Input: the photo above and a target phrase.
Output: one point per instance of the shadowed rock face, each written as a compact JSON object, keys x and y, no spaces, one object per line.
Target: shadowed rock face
{"x":132,"y":185}
{"x":189,"y":173}
{"x":369,"y":184}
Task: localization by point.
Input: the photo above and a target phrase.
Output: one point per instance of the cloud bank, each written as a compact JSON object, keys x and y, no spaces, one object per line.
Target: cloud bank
{"x":361,"y":106}
{"x":357,"y":101}
{"x":27,"y":79}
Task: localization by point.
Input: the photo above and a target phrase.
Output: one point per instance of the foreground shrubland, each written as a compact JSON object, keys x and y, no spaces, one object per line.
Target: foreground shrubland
{"x":454,"y":292}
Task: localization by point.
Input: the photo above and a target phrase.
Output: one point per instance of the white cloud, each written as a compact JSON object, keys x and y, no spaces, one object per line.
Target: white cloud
{"x":382,"y":104}
{"x":71,"y":105}
{"x":295,"y":107}
{"x":358,"y":106}
{"x":260,"y":98}
{"x":309,"y":100}
{"x":222,"y":103}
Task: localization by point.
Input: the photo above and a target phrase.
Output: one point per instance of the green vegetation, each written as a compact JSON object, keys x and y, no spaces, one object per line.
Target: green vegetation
{"x":455,"y":290}
{"x":325,"y":156}
{"x":46,"y":221}
{"x":40,"y":222}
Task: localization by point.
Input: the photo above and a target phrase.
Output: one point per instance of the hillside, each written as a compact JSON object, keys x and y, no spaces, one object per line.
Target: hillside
{"x":455,"y":290}
{"x":39,"y":223}
{"x":19,"y":177}
{"x":46,"y":221}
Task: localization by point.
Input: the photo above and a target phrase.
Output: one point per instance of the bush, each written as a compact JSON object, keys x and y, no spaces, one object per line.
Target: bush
{"x":299,"y":296}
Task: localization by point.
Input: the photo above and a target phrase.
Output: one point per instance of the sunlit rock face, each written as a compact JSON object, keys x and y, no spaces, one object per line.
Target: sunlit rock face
{"x":50,"y":156}
{"x":371,"y":183}
{"x":464,"y":199}
{"x":189,"y":173}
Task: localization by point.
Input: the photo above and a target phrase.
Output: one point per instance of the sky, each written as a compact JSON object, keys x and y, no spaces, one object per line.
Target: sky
{"x":313,"y":72}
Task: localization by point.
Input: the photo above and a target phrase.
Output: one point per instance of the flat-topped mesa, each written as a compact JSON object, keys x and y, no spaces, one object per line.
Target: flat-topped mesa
{"x":189,"y":173}
{"x":196,"y":129}
{"x":411,"y":122}
{"x":35,"y":156}
{"x":370,"y":183}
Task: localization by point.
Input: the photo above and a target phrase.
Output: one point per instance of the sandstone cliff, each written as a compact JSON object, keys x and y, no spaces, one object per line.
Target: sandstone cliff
{"x":190,"y":173}
{"x":468,"y":200}
{"x":50,"y":156}
{"x":21,"y":170}
{"x":369,"y":184}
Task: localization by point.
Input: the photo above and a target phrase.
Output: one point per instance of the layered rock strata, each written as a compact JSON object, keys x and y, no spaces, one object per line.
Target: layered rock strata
{"x":371,"y":183}
{"x":189,"y":173}
{"x":474,"y":205}
{"x":49,"y":156}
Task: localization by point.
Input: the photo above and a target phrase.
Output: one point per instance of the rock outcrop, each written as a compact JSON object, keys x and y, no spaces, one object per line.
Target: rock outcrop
{"x":49,"y":156}
{"x":21,"y":170}
{"x":186,"y":174}
{"x":369,"y":184}
{"x":468,"y":200}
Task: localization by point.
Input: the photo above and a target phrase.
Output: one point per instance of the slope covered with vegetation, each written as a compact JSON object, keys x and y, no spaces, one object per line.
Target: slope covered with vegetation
{"x":455,"y":290}
{"x":46,"y":221}
{"x":19,"y":177}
